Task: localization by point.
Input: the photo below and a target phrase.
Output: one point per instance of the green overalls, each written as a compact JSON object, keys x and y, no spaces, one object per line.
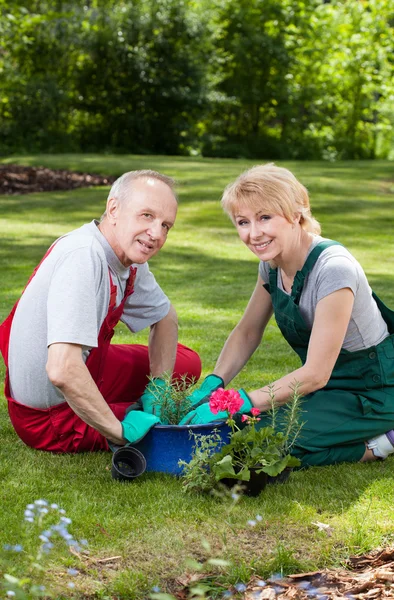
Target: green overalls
{"x":357,"y":403}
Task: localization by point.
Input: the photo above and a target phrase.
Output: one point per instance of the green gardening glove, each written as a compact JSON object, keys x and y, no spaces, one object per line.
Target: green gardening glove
{"x":202,"y":414}
{"x":203,"y":393}
{"x":156,"y":390}
{"x":136,"y":425}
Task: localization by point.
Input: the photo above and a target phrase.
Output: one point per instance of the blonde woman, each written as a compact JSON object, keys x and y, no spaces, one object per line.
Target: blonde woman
{"x":326,"y":311}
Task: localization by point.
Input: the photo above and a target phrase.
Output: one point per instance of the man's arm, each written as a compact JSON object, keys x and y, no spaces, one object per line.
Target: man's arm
{"x":163,"y":339}
{"x":67,"y":371}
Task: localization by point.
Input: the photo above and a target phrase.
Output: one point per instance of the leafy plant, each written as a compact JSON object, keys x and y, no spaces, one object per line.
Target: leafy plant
{"x":197,"y":476}
{"x":173,"y":399}
{"x":264,"y":449}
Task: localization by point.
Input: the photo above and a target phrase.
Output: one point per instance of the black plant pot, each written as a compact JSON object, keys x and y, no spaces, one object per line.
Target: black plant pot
{"x":281,"y":478}
{"x":127,"y":464}
{"x":253,"y":487}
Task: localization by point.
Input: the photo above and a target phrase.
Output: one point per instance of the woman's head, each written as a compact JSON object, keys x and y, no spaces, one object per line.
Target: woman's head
{"x":274,"y":190}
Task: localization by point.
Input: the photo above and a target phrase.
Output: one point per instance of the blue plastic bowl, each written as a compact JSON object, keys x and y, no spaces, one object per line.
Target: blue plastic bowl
{"x":165,"y":445}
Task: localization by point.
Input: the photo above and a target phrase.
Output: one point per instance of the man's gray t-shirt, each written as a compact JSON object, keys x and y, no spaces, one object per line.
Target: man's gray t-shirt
{"x":336,"y":269}
{"x":67,"y":301}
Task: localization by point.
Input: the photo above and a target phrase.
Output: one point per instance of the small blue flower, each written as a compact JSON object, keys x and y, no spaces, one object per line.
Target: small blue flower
{"x":29,"y":519}
{"x":234,"y":496}
{"x":278,"y":590}
{"x":47,"y":547}
{"x":252,"y":523}
{"x":156,"y":589}
{"x":259,"y":518}
{"x":41,"y":503}
{"x":84,"y":542}
{"x":30,"y":506}
{"x":62,"y":511}
{"x":65,"y":520}
{"x":47,"y":533}
{"x":261,"y":583}
{"x":227,"y":594}
{"x":71,"y":585}
{"x":43,"y":511}
{"x":29,"y":513}
{"x":313,"y":592}
{"x":41,"y":588}
{"x":54,"y":506}
{"x":17,"y":548}
{"x":10,"y":594}
{"x":7,"y":547}
{"x":240,"y":587}
{"x":304,"y":585}
{"x":72,"y":571}
{"x":43,"y":538}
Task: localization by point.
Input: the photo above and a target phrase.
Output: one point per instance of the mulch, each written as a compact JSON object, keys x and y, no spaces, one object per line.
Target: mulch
{"x":367,"y":577}
{"x":17,"y":179}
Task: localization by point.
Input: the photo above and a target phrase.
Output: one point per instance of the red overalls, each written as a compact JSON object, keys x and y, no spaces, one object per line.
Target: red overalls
{"x":120,"y":371}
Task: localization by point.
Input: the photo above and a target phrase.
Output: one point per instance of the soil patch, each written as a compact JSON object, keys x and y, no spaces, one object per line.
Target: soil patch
{"x":17,"y":179}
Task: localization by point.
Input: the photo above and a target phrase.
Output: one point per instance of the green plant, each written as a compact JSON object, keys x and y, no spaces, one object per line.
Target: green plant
{"x":197,"y":476}
{"x":174,"y":400}
{"x":264,"y":449}
{"x":30,"y":585}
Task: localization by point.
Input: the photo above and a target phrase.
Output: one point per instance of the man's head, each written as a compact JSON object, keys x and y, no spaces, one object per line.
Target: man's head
{"x":141,"y":209}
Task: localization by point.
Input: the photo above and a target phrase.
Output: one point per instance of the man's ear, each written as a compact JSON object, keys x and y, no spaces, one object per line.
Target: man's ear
{"x":112,"y":210}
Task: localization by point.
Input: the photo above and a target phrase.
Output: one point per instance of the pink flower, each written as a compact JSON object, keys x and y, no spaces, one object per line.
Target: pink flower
{"x":216,"y":401}
{"x":244,"y":418}
{"x":255,"y":411}
{"x":225,"y":400}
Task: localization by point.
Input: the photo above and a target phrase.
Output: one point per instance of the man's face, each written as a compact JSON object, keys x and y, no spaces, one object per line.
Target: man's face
{"x":142,"y":221}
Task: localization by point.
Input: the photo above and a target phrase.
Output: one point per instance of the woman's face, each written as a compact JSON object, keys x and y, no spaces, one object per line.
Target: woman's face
{"x":267,"y":235}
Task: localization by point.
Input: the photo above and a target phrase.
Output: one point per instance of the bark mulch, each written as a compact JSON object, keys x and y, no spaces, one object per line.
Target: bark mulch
{"x":17,"y":179}
{"x":368,"y":577}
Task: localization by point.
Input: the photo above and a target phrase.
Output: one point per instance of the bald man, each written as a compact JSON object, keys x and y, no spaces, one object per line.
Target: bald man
{"x":68,"y":388}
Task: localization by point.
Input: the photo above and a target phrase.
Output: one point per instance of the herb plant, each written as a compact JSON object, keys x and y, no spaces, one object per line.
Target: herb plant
{"x":174,"y":399}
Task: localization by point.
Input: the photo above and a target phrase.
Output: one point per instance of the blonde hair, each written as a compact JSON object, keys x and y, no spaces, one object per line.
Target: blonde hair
{"x":275,"y":190}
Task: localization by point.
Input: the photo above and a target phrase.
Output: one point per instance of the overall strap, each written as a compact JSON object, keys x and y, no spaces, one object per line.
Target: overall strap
{"x":310,"y":262}
{"x":129,"y":289}
{"x":5,"y":327}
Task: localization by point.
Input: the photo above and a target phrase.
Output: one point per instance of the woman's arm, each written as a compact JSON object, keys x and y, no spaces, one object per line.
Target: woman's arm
{"x":246,"y":336}
{"x":331,"y":321}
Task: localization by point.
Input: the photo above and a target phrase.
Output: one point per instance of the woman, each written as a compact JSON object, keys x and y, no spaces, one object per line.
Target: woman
{"x":326,"y":311}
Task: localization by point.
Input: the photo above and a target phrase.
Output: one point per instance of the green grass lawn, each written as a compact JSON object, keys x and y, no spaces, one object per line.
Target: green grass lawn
{"x":151,"y":526}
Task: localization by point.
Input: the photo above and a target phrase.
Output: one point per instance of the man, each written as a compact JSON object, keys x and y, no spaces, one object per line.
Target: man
{"x":68,"y":389}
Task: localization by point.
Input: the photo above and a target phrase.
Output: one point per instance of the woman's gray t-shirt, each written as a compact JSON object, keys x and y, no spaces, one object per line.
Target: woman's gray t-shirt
{"x":334,"y":270}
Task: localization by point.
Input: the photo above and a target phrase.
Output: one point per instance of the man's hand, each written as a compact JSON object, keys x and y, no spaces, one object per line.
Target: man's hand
{"x":202,"y":414}
{"x":203,"y":393}
{"x":137,"y":424}
{"x":154,"y":394}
